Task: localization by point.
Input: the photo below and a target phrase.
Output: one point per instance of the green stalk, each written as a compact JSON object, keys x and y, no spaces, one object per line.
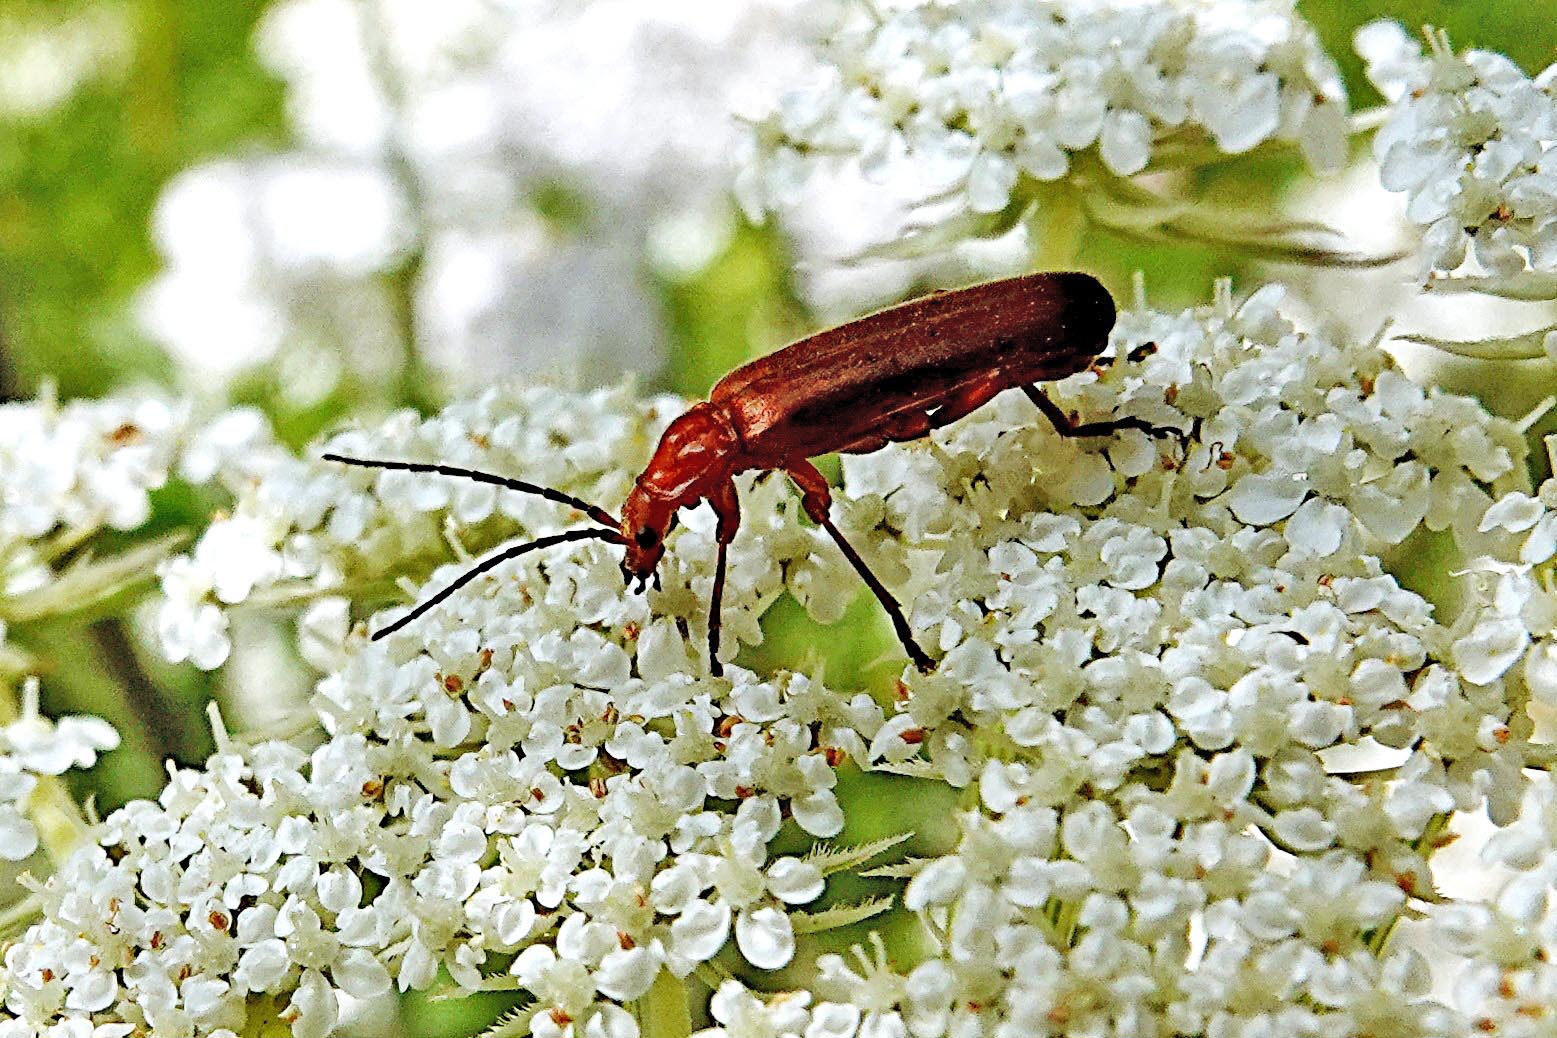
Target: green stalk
{"x":1060,"y":224}
{"x":662,"y":1012}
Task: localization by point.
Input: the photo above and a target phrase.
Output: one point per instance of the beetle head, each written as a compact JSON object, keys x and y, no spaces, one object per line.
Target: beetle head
{"x":695,"y":455}
{"x":646,"y":519}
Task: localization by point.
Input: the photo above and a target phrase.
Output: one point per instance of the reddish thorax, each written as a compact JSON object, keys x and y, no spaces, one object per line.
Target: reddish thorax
{"x":696,"y":457}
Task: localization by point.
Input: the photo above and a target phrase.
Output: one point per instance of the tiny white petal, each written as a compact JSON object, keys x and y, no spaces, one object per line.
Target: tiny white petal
{"x":765,"y":937}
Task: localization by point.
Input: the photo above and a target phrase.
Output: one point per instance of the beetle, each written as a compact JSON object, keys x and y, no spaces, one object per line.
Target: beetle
{"x":892,"y":376}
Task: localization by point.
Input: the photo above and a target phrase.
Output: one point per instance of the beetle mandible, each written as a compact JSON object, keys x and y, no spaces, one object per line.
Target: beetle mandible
{"x":892,"y":376}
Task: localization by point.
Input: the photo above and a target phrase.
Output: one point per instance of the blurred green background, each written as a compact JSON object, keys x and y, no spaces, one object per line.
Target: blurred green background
{"x":103,"y":104}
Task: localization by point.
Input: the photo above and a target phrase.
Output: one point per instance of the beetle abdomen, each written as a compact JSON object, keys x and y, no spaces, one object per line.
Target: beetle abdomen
{"x":879,"y":375}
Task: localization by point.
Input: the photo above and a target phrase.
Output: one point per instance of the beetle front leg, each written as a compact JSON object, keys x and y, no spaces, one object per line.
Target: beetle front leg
{"x":727,"y":506}
{"x":715,"y":621}
{"x":816,"y":498}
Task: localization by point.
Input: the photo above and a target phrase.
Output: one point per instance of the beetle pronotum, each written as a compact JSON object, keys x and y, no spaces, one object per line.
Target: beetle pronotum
{"x":892,"y":376}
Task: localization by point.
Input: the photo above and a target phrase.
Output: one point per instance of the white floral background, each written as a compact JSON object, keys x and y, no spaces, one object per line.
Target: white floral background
{"x":1240,"y":730}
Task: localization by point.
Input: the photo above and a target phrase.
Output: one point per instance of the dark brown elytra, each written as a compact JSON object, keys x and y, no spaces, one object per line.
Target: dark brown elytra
{"x":889,"y":377}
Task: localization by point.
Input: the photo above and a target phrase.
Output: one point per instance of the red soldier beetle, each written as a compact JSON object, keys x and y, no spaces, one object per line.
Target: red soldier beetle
{"x":889,"y":377}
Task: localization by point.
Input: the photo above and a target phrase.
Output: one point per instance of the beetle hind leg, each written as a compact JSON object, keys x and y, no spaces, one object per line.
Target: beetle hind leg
{"x":816,"y":498}
{"x":1066,"y":425}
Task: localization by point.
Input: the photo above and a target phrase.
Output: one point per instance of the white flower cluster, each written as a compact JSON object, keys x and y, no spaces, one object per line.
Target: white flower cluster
{"x":1469,"y":139}
{"x":1510,"y":981}
{"x":67,"y":472}
{"x":964,"y":100}
{"x":83,"y":465}
{"x":534,"y":769}
{"x":31,"y":746}
{"x":1154,"y":665}
{"x":306,"y":530}
{"x":1152,"y":674}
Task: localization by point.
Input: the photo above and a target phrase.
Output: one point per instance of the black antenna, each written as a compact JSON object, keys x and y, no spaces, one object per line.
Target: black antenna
{"x":598,"y":514}
{"x":586,"y":534}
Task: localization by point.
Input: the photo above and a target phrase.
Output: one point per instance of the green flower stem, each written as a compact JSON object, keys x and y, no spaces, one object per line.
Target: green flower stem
{"x":1059,"y":226}
{"x":663,"y":1012}
{"x":18,"y":916}
{"x":57,"y":817}
{"x":1378,"y":940}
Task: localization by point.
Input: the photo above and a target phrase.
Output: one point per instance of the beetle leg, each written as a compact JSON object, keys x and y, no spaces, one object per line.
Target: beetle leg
{"x":1065,"y":425}
{"x":907,"y":426}
{"x":816,"y":498}
{"x":969,"y":398}
{"x":715,"y":621}
{"x":727,"y":506}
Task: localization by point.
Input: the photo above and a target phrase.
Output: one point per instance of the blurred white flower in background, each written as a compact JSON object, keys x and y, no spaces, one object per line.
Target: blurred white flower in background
{"x":49,"y":52}
{"x":974,"y":110}
{"x":1471,"y":141}
{"x":273,"y":250}
{"x":485,"y":186}
{"x":33,"y":746}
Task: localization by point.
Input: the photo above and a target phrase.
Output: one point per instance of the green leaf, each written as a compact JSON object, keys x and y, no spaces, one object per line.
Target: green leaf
{"x":513,"y":1024}
{"x":663,"y":1011}
{"x":1128,"y":216}
{"x":839,"y":916}
{"x":906,"y":869}
{"x":831,"y":859}
{"x":1526,"y":286}
{"x":88,"y":582}
{"x":1528,"y":346}
{"x":449,"y":991}
{"x":1127,"y":208}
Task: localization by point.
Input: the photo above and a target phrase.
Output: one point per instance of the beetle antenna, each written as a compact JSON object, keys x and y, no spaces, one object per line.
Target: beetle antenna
{"x":588,"y":533}
{"x":598,"y":514}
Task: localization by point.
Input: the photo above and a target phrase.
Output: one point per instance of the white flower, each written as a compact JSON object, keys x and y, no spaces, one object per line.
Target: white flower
{"x":1149,"y":679}
{"x":976,"y":101}
{"x":32,"y":745}
{"x":47,"y":747}
{"x":1469,"y":139}
{"x":83,"y":465}
{"x":742,"y":1014}
{"x":18,"y":837}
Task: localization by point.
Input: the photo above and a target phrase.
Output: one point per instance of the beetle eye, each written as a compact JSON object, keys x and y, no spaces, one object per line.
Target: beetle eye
{"x":645,"y":537}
